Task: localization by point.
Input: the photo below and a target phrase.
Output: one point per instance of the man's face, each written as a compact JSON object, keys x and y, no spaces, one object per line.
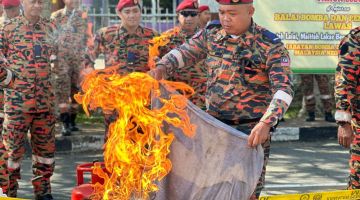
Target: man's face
{"x":130,"y":16}
{"x":235,"y":19}
{"x":205,"y":16}
{"x":188,"y":19}
{"x":12,"y":12}
{"x":72,"y":4}
{"x":33,"y":8}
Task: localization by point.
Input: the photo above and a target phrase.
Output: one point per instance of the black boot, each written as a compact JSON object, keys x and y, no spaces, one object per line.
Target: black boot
{"x":329,"y":117}
{"x":73,"y":126}
{"x":65,"y":119}
{"x":44,"y":197}
{"x":311,"y":117}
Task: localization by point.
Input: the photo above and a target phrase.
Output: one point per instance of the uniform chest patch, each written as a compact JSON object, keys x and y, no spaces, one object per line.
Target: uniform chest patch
{"x":285,"y":61}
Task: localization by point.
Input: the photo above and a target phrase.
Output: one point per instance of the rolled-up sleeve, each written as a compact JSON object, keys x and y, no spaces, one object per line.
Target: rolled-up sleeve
{"x":278,"y":62}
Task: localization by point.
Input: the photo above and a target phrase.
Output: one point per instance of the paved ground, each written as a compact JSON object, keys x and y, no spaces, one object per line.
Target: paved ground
{"x":64,"y":179}
{"x":294,"y":167}
{"x":298,"y":167}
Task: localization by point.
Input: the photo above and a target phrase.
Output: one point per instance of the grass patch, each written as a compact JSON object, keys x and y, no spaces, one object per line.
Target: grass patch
{"x":292,"y":112}
{"x":82,"y":118}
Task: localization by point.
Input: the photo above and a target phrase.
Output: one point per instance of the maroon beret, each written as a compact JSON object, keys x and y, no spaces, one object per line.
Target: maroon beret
{"x":234,"y":2}
{"x":10,"y":3}
{"x":187,"y":4}
{"x":203,"y":8}
{"x":126,"y":3}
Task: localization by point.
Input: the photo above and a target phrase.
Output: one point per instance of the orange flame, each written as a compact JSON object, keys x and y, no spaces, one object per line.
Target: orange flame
{"x":137,"y":147}
{"x":157,"y":42}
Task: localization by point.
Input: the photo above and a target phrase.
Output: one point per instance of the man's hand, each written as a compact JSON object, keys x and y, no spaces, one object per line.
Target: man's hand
{"x":345,"y":135}
{"x":259,"y":134}
{"x":157,"y":73}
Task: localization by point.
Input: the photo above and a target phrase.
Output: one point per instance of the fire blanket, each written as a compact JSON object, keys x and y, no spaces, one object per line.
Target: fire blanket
{"x":215,"y":164}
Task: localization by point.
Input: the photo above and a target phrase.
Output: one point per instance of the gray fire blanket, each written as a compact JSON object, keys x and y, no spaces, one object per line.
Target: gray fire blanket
{"x":216,"y":164}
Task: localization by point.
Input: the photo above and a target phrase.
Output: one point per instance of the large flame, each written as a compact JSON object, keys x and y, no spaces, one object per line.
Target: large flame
{"x":136,"y":151}
{"x":157,"y":42}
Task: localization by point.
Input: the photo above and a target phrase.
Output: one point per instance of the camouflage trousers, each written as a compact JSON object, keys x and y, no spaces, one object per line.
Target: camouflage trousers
{"x":2,"y":96}
{"x":66,"y":77}
{"x":42,"y":141}
{"x":3,"y":158}
{"x":266,"y":146}
{"x":307,"y":84}
{"x":354,"y":178}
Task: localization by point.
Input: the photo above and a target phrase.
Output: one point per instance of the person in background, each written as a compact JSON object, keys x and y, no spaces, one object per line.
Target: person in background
{"x":125,"y":45}
{"x":25,"y":75}
{"x":204,"y":16}
{"x":193,"y":75}
{"x":71,"y":30}
{"x":11,"y":10}
{"x":347,"y":96}
{"x":307,"y":85}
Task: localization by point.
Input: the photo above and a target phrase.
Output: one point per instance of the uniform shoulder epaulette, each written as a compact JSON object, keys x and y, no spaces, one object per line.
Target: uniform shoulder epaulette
{"x":271,"y":36}
{"x":355,"y":30}
{"x":213,"y":24}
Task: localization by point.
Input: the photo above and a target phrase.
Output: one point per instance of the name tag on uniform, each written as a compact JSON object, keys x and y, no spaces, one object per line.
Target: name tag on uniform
{"x":37,"y":51}
{"x":131,"y":58}
{"x":285,"y":61}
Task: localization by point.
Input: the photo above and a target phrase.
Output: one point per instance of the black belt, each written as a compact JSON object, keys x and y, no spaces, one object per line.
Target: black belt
{"x":239,"y":122}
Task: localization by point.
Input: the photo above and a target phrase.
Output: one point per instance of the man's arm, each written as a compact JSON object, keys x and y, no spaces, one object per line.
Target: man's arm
{"x":94,"y":49}
{"x":6,"y":76}
{"x":278,"y":62}
{"x":281,"y":83}
{"x":187,"y":54}
{"x":346,"y":75}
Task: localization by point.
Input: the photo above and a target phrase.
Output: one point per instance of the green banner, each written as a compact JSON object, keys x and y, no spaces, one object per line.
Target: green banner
{"x":311,"y":29}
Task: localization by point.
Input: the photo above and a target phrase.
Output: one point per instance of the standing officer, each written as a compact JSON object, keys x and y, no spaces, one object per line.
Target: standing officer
{"x":195,"y":75}
{"x":25,"y":74}
{"x":204,"y":15}
{"x":125,"y":46}
{"x":12,"y":9}
{"x":347,"y":96}
{"x":71,"y":25}
{"x":307,"y":85}
{"x":249,"y":85}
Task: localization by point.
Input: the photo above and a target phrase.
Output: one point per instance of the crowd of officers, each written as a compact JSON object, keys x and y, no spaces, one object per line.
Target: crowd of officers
{"x":239,"y":70}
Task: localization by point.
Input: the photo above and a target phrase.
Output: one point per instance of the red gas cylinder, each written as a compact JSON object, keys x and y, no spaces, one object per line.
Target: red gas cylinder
{"x":83,"y":191}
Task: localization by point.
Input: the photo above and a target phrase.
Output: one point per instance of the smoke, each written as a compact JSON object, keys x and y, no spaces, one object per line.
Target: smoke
{"x":70,"y":36}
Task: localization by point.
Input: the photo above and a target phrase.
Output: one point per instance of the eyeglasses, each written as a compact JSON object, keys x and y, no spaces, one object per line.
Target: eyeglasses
{"x":189,"y":13}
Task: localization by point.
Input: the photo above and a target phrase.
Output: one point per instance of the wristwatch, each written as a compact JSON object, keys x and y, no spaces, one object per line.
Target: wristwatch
{"x":342,"y":123}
